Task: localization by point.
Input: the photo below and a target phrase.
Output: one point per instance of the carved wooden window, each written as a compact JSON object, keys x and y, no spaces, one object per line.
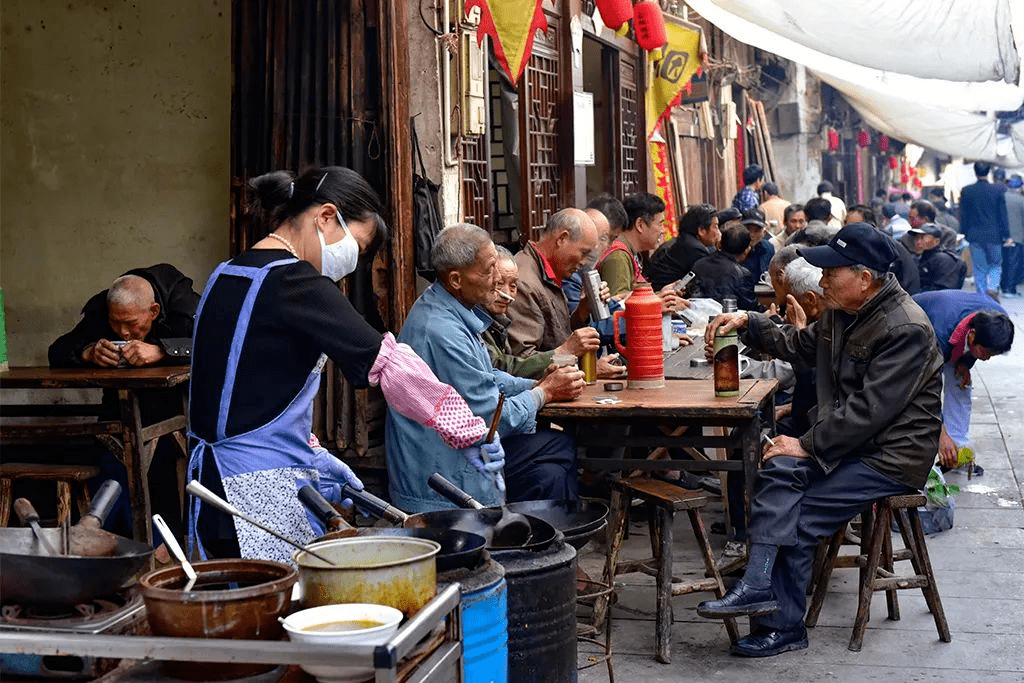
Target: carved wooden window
{"x":542,"y":170}
{"x":631,"y":133}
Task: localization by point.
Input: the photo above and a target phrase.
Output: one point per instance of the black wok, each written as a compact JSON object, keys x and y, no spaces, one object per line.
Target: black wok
{"x":578,"y":520}
{"x":28,"y":575}
{"x":459,"y":549}
{"x":480,"y":522}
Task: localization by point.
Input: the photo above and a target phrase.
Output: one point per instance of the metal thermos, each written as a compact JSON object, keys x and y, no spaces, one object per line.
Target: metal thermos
{"x":727,"y":357}
{"x":592,"y":287}
{"x":645,"y":364}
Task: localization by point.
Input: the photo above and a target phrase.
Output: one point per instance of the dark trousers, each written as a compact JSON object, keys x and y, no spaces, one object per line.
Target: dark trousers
{"x":795,"y":504}
{"x":540,"y":466}
{"x":1013,"y":268}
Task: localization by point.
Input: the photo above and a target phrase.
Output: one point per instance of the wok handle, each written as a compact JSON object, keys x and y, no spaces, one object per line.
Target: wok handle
{"x":323,"y":510}
{"x":26,"y":512}
{"x":102,"y":504}
{"x":453,"y":492}
{"x":374,"y":505}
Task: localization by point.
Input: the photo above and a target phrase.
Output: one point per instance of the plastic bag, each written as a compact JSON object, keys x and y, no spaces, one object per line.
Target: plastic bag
{"x":937,"y":514}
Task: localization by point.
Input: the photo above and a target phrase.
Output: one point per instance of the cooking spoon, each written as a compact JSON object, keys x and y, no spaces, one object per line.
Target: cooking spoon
{"x":205,"y":494}
{"x":512,"y":528}
{"x":176,"y":550}
{"x":516,"y":533}
{"x":28,"y":515}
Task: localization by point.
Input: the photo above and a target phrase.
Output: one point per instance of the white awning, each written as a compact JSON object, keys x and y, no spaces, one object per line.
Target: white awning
{"x":897,"y":92}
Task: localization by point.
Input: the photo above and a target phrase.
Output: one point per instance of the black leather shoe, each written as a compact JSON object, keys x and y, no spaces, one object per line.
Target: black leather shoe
{"x":765,"y":642}
{"x":741,"y":600}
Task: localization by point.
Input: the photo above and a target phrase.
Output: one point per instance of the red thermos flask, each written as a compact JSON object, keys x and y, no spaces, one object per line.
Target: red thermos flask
{"x":645,"y":364}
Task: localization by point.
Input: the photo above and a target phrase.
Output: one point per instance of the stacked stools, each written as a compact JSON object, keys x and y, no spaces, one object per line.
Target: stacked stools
{"x":663,"y":500}
{"x":876,"y":565}
{"x":66,"y":477}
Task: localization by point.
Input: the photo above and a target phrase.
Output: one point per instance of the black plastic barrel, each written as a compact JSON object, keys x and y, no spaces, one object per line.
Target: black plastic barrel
{"x":541,"y":613}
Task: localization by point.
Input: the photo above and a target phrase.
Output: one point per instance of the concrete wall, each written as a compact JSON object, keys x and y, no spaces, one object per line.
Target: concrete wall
{"x":798,"y":156}
{"x":115,"y":151}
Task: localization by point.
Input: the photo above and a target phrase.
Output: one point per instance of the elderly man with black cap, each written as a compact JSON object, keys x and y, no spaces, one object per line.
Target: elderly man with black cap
{"x":938,"y":267}
{"x":875,"y":433}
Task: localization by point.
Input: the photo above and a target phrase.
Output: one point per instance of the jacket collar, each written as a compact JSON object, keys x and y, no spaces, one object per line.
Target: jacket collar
{"x":475,"y":318}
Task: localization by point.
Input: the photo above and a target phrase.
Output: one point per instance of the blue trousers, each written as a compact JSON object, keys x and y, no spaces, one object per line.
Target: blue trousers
{"x":988,"y":265}
{"x":795,"y":504}
{"x":540,"y":466}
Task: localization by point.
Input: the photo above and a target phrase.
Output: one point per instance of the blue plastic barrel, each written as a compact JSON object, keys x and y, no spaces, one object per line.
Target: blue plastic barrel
{"x":484,"y":621}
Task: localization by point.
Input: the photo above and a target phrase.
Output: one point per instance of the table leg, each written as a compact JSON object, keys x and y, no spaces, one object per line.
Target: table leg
{"x":135,"y":464}
{"x":751,"y":439}
{"x":616,"y":530}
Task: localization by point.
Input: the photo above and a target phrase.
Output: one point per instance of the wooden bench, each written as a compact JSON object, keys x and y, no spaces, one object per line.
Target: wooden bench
{"x":876,"y":565}
{"x":663,"y":500}
{"x":65,"y":476}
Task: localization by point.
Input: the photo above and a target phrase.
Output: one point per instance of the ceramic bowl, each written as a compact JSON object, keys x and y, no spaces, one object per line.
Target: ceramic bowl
{"x":297,"y":627}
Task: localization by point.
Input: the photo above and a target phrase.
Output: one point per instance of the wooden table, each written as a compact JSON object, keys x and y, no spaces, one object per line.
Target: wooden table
{"x":670,"y":411}
{"x":126,"y":437}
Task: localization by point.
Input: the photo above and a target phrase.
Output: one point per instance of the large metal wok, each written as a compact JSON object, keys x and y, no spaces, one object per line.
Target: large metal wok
{"x":578,"y":520}
{"x":30,"y":575}
{"x":473,"y":521}
{"x":459,"y":549}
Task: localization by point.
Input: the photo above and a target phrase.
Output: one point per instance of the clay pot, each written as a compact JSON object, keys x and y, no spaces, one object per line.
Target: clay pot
{"x":237,"y":599}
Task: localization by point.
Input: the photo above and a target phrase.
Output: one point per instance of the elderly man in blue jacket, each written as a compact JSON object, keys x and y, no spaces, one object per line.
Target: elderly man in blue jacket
{"x":444,"y":329}
{"x":970,"y":327}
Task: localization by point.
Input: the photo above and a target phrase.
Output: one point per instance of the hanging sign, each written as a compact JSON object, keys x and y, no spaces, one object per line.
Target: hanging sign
{"x":511,"y":24}
{"x":681,"y":60}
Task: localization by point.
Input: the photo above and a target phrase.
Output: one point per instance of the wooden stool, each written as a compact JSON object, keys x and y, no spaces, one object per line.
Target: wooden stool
{"x":64,"y":475}
{"x":663,"y":500}
{"x":876,"y":565}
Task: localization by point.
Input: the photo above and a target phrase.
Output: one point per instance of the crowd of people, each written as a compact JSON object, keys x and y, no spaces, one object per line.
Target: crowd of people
{"x":867,"y":326}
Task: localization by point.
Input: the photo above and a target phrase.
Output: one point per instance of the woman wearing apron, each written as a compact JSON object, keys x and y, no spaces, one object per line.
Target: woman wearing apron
{"x":266,"y":324}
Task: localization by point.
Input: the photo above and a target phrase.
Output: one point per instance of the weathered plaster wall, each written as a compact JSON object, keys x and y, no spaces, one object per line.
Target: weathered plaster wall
{"x":798,"y":156}
{"x":114,"y":154}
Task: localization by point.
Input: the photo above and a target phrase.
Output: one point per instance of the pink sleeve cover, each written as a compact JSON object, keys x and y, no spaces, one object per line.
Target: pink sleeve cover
{"x":411,"y":388}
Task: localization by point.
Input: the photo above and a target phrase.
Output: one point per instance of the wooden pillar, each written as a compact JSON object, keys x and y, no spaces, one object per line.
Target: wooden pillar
{"x":393,"y":18}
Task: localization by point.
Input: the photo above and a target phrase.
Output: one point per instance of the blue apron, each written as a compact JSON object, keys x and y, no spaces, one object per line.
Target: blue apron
{"x":261,"y":470}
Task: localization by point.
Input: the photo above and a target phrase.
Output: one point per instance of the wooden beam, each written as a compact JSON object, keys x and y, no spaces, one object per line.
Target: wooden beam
{"x":394,"y":65}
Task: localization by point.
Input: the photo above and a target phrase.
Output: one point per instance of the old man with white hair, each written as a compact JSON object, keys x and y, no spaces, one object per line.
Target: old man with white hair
{"x":444,"y":327}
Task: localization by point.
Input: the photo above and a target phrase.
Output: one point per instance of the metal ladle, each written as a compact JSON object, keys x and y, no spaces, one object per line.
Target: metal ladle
{"x":172,"y":544}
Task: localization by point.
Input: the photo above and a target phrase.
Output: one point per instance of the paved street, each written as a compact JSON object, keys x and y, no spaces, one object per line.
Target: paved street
{"x":979,"y":566}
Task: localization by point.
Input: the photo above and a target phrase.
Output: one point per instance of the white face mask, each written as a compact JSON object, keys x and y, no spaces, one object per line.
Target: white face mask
{"x":339,"y":259}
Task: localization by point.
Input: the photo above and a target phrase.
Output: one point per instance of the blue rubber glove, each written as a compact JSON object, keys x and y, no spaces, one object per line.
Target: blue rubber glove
{"x":334,"y":473}
{"x":488,"y":459}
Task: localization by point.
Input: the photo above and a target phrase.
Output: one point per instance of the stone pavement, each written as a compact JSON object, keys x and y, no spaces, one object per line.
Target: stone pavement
{"x":979,"y":566}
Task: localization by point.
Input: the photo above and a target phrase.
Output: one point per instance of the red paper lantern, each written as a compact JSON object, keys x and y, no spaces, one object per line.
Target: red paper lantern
{"x":615,"y":13}
{"x":833,"y":139}
{"x":883,"y":144}
{"x":904,"y":178}
{"x":863,"y":138}
{"x":894,"y":163}
{"x":917,"y":183}
{"x":649,"y":25}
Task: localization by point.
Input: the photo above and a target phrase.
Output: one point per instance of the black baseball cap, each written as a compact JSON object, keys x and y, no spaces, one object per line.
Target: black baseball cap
{"x":754,"y":217}
{"x":927,"y":229}
{"x":856,"y":244}
{"x":729,"y":214}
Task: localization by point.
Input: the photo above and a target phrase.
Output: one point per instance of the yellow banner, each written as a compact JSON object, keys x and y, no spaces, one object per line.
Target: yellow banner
{"x":511,"y":24}
{"x":681,"y":60}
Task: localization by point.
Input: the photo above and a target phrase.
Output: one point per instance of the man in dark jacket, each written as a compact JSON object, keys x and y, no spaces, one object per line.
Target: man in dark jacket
{"x":145,"y":318}
{"x":983,"y":222}
{"x":875,"y":434}
{"x":698,"y":235}
{"x":720,"y":275}
{"x":939,"y":268}
{"x":152,"y":309}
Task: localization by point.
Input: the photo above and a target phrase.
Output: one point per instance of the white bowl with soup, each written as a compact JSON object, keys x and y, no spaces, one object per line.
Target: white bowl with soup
{"x":347,"y":624}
